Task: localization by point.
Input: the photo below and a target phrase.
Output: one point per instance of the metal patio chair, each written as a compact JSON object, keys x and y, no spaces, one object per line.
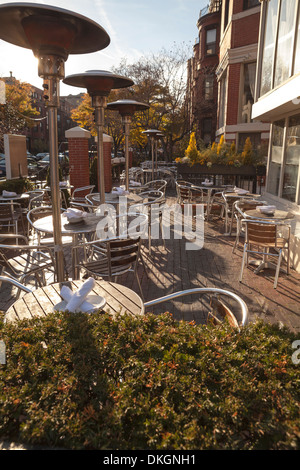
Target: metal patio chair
{"x":269,"y":240}
{"x":22,"y":260}
{"x":78,"y":194}
{"x":220,"y":310}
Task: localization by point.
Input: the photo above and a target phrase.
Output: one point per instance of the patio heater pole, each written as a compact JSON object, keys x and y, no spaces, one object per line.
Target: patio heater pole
{"x":52,"y":34}
{"x":127,"y":108}
{"x":99,"y":83}
{"x":157,"y":136}
{"x":152,"y":134}
{"x":126,"y":122}
{"x":51,"y":87}
{"x":152,"y":154}
{"x":99,"y":103}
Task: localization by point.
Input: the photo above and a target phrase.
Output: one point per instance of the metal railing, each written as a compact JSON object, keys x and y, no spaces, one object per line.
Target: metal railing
{"x":213,"y":7}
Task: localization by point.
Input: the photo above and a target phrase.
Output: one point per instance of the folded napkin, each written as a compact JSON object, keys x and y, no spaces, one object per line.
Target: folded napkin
{"x":73,"y":213}
{"x":119,"y":191}
{"x":63,"y":183}
{"x":134,"y":183}
{"x":80,"y":295}
{"x":8,"y":194}
{"x":266,"y":208}
{"x":240,"y":191}
{"x":67,"y":294}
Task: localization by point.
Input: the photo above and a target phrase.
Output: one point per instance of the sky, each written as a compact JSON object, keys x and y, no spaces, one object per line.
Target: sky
{"x":136,"y":28}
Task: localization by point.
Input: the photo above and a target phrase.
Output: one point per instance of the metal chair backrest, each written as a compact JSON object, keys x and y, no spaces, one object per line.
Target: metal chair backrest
{"x":261,"y":234}
{"x":183,"y":193}
{"x":159,"y":185}
{"x":80,"y":193}
{"x":121,"y":253}
{"x":6,"y":212}
{"x":38,"y":213}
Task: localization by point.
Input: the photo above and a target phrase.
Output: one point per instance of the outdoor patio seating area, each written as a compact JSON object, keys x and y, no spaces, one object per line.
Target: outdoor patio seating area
{"x":166,"y":267}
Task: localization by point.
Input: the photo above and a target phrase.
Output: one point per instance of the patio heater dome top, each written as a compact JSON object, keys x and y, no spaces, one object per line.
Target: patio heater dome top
{"x":152,"y":132}
{"x":98,"y":82}
{"x":50,"y":30}
{"x":127,"y":107}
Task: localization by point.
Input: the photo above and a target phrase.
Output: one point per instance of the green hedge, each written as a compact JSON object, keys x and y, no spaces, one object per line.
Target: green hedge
{"x":82,"y":381}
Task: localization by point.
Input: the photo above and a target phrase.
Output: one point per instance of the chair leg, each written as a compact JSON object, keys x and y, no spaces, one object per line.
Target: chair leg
{"x":243,"y":262}
{"x":144,"y":265}
{"x":237,"y":238}
{"x":277,"y":269}
{"x":140,"y":287}
{"x":288,"y":261}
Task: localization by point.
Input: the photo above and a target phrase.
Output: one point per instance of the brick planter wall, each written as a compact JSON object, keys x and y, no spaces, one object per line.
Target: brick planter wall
{"x":78,"y":140}
{"x":107,"y":146}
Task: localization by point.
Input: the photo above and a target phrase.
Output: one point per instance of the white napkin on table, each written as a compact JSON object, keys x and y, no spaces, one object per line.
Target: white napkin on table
{"x":240,"y":190}
{"x":67,"y":294}
{"x":265,"y":208}
{"x":63,"y":183}
{"x":119,"y":191}
{"x":134,"y":183}
{"x":80,"y":295}
{"x":8,"y":193}
{"x":73,"y":213}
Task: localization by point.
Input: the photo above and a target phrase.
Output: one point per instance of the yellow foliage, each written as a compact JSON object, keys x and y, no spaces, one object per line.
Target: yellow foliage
{"x":247,"y":152}
{"x":192,"y":152}
{"x":220,"y":145}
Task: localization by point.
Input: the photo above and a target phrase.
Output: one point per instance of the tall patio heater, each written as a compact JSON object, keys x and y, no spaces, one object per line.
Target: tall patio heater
{"x":99,"y":83}
{"x":52,"y":34}
{"x":152,"y":133}
{"x":127,"y":108}
{"x":158,"y":136}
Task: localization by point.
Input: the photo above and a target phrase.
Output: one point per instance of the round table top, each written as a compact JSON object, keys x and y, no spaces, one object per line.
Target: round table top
{"x":114,"y":199}
{"x":237,"y":195}
{"x":42,"y":301}
{"x":61,"y":186}
{"x":88,"y":224}
{"x":210,"y":186}
{"x":278,"y":215}
{"x":14,"y":198}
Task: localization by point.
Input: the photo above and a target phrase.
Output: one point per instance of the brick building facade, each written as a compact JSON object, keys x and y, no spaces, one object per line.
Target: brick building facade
{"x":202,"y":89}
{"x":236,"y":74}
{"x":38,"y":135}
{"x":230,"y":67}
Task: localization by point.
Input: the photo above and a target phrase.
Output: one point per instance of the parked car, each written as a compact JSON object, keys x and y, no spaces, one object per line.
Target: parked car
{"x":41,"y":155}
{"x":34,"y":167}
{"x":2,"y":166}
{"x":46,"y":159}
{"x":62,"y":159}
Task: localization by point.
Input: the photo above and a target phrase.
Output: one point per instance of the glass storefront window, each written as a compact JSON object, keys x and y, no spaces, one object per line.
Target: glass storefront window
{"x":276,"y":157}
{"x":268,"y":49}
{"x":285,"y":41}
{"x":297,"y":53}
{"x":222,"y":106}
{"x":248,"y":92}
{"x":292,"y":158}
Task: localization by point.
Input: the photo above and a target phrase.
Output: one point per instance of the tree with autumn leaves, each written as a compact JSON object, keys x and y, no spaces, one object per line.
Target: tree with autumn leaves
{"x":159,"y":81}
{"x":16,"y":110}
